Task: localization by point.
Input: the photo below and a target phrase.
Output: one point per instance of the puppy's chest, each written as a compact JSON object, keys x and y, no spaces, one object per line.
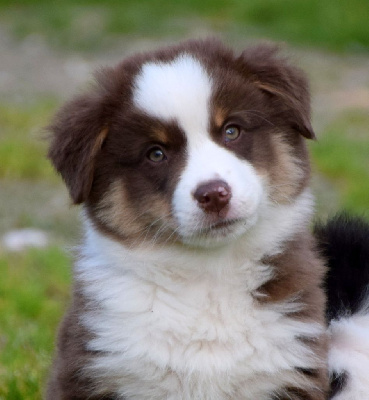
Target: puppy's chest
{"x":178,"y":335}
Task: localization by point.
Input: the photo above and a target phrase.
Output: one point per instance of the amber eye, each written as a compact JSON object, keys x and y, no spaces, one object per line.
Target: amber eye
{"x":232,"y":132}
{"x":156,"y":154}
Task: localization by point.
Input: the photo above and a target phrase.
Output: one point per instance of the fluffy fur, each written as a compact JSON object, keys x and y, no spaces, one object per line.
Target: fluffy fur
{"x":198,"y":277}
{"x":344,"y":242}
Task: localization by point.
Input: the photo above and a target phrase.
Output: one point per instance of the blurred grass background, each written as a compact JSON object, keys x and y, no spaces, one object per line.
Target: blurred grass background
{"x":47,"y":49}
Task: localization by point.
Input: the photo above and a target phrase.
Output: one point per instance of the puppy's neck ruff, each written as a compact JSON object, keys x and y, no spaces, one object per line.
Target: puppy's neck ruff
{"x":180,"y":317}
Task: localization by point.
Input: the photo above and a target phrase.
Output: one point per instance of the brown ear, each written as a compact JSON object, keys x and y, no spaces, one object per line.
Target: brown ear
{"x":274,"y":75}
{"x":78,"y":132}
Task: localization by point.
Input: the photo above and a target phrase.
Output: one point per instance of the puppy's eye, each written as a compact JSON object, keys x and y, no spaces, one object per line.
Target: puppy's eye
{"x":232,"y":132}
{"x":156,"y":155}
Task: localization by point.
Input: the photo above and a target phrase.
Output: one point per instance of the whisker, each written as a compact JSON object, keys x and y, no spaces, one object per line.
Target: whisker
{"x":143,"y":234}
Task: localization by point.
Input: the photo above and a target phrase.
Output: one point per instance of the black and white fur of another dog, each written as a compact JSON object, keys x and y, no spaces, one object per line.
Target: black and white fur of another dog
{"x":198,"y":277}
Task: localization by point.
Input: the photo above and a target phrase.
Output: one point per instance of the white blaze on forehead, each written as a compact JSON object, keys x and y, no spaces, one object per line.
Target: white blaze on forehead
{"x":178,"y":90}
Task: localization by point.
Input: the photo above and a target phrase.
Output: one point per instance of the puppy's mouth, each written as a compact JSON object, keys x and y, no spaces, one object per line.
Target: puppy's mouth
{"x":217,"y":232}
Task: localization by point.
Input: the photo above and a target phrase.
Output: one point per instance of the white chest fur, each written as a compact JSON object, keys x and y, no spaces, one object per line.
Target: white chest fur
{"x":198,"y":333}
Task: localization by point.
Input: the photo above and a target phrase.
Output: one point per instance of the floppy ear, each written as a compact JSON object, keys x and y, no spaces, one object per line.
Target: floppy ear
{"x":78,"y":132}
{"x":274,"y":75}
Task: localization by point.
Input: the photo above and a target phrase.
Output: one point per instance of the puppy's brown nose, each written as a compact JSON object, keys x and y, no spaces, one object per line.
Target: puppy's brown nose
{"x":213,"y":196}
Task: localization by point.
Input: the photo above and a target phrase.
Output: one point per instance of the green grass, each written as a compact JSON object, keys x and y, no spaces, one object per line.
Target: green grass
{"x":34,"y":289}
{"x":22,"y":140}
{"x":342,"y":155}
{"x":331,"y":24}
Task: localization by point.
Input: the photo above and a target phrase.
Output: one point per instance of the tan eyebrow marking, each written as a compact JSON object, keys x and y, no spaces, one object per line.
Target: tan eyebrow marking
{"x":160,"y":135}
{"x":219,"y":116}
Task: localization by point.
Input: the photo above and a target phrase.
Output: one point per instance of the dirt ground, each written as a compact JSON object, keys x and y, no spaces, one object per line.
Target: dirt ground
{"x":30,"y":69}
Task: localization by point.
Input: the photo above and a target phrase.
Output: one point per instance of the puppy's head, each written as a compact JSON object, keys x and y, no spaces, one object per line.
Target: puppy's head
{"x":191,"y":143}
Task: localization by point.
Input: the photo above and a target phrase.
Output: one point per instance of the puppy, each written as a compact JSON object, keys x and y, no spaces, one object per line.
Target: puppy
{"x":198,"y":277}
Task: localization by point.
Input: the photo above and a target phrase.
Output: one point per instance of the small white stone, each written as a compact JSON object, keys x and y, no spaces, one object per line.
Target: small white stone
{"x":18,"y":240}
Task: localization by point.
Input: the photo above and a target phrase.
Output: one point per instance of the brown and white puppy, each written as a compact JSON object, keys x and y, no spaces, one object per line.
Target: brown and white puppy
{"x":197,"y":278}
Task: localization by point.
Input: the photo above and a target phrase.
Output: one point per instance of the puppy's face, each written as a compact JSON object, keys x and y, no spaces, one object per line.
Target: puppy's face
{"x":188,"y":144}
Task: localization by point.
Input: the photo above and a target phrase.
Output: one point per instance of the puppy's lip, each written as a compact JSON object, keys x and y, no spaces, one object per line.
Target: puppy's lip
{"x":227,"y":223}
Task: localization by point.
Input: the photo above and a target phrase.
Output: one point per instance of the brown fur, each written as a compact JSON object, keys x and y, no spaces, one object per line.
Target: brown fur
{"x":68,"y":381}
{"x":299,"y":274}
{"x":99,"y":144}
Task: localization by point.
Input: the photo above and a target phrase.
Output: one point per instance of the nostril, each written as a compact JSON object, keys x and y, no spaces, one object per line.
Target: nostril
{"x":204,"y":199}
{"x":213,"y":196}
